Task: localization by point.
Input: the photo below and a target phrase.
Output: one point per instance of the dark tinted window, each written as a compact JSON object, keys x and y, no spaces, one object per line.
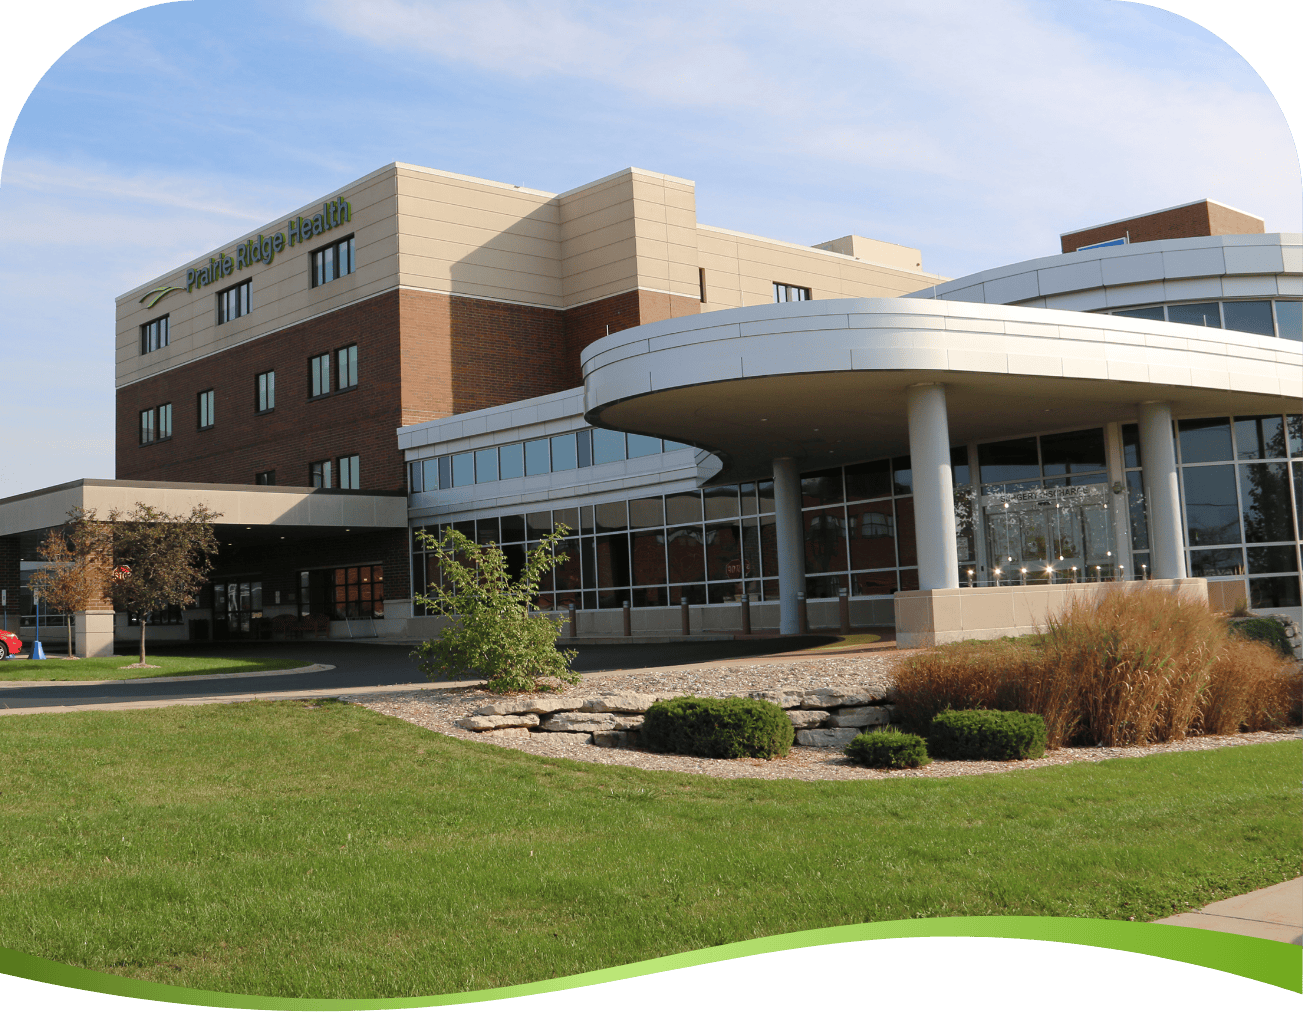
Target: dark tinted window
{"x":1131,"y":445}
{"x":1249,"y":317}
{"x":721,"y":503}
{"x":1264,"y":496}
{"x":1273,"y":559}
{"x":959,"y":465}
{"x":1211,"y":511}
{"x":684,"y":508}
{"x":607,"y":446}
{"x":1204,"y":439}
{"x":1073,"y":452}
{"x":1009,"y":460}
{"x":611,"y":516}
{"x":1256,"y":438}
{"x":870,"y":480}
{"x":1148,"y":313}
{"x":821,"y":488}
{"x":902,"y":476}
{"x":1199,"y":314}
{"x":513,"y":528}
{"x":649,"y":512}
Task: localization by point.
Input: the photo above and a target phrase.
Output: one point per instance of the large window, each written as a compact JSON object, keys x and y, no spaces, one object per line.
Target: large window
{"x":1279,"y":318}
{"x":319,"y":474}
{"x":153,"y":335}
{"x":790,"y":293}
{"x":207,"y":406}
{"x":233,"y":302}
{"x":319,"y":375}
{"x":333,"y":261}
{"x":347,"y":359}
{"x":265,"y":477}
{"x":566,"y":452}
{"x":156,"y":424}
{"x":1240,"y":490}
{"x":350,"y":472}
{"x":265,"y":391}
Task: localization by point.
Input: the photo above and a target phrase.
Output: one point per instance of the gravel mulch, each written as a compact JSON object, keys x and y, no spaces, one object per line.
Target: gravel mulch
{"x":437,"y":708}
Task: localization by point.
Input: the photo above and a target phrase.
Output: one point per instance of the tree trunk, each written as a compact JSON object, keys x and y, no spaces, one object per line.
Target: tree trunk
{"x":68,"y":622}
{"x":142,"y":639}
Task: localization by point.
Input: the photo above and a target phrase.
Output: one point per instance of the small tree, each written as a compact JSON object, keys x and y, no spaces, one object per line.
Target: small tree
{"x":494,"y":634}
{"x":163,"y":559}
{"x":79,"y":554}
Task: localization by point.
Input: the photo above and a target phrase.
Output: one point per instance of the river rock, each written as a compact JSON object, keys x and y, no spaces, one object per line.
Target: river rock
{"x":807,"y":718}
{"x":580,"y":722}
{"x":827,"y":737}
{"x":491,"y":722}
{"x":624,"y":702}
{"x":861,"y":716}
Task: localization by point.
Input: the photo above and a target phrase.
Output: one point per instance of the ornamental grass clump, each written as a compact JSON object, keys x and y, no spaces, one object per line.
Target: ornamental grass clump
{"x":888,"y":748}
{"x":1129,"y":666}
{"x":718,"y":728}
{"x":986,"y":734}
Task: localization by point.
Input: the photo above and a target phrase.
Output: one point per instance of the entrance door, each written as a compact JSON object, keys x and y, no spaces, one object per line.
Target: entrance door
{"x":1056,"y":535}
{"x":237,"y":609}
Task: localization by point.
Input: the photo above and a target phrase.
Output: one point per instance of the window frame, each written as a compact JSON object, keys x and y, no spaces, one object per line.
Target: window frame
{"x":264,"y":392}
{"x":346,"y":366}
{"x":320,"y":473}
{"x":244,"y":301}
{"x":348,"y":469}
{"x":207,"y":404}
{"x":315,"y":363}
{"x":318,"y":256}
{"x":163,"y":334}
{"x":265,"y":477}
{"x":804,"y":294}
{"x":160,"y":424}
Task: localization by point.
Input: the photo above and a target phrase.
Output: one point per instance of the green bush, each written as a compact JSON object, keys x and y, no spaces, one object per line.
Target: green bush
{"x":1265,"y":630}
{"x":718,"y":728}
{"x":986,"y":734}
{"x":888,"y":748}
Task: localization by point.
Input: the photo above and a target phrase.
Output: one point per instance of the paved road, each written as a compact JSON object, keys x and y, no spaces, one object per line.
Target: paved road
{"x":366,"y":664}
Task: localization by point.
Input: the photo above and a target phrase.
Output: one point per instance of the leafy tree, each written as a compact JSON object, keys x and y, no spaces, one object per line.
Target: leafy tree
{"x":79,"y":554}
{"x":494,"y":634}
{"x":162,"y":559}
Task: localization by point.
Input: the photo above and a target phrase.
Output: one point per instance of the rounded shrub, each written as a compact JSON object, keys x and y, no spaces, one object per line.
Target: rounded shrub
{"x":986,"y":734}
{"x":888,"y":748}
{"x":718,"y":728}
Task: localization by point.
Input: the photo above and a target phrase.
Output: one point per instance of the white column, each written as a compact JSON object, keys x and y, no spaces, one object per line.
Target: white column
{"x":1158,"y":456}
{"x":790,"y":533}
{"x":934,"y":490}
{"x":1119,"y":509}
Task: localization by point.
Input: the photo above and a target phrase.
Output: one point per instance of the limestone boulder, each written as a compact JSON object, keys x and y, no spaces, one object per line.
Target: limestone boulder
{"x":530,"y":704}
{"x":507,"y":732}
{"x":807,"y":718}
{"x":615,"y":739}
{"x":628,"y":721}
{"x":567,"y":738}
{"x":584,"y":723}
{"x":623,"y":702}
{"x":861,"y":716}
{"x":788,"y":699}
{"x":492,"y":722}
{"x":830,"y":699}
{"x":827,"y":737}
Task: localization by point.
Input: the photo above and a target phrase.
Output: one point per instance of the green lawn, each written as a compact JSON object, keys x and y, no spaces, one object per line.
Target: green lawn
{"x":853,"y":640}
{"x":289,"y":848}
{"x":57,"y":668}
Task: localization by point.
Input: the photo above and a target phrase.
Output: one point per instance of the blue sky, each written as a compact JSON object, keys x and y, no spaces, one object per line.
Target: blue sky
{"x":975,"y":132}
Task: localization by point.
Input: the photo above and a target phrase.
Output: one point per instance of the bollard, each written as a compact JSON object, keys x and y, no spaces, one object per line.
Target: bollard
{"x":844,"y":610}
{"x":802,"y":615}
{"x":687,"y":615}
{"x":628,"y":620}
{"x":574,"y":621}
{"x":746,"y":614}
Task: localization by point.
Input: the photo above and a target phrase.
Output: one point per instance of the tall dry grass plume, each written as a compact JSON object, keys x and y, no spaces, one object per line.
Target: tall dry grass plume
{"x":1130,"y":666}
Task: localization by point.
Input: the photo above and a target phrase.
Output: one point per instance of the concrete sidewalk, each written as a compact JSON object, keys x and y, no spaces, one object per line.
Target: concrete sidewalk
{"x":1275,"y":912}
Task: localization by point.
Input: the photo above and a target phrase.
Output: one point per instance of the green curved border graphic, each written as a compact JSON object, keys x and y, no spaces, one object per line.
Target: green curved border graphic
{"x":160,"y":293}
{"x":38,"y":35}
{"x":1275,"y":963}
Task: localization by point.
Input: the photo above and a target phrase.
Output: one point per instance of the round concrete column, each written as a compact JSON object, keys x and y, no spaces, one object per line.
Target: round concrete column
{"x":934,"y":490}
{"x":1158,"y":457}
{"x":790,"y":533}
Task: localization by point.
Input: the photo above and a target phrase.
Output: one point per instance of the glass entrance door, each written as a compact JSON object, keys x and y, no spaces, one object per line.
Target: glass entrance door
{"x":1050,"y":535}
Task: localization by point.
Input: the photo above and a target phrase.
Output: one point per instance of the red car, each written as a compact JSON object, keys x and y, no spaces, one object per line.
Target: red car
{"x":9,"y":644}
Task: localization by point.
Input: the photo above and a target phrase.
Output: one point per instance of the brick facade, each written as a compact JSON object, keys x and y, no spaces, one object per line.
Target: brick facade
{"x":1201,"y":218}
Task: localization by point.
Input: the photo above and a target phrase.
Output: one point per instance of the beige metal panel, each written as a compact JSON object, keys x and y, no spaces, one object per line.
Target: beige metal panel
{"x":608,"y":279}
{"x":531,"y":238}
{"x":461,"y":253}
{"x":476,"y":279}
{"x":599,"y":235}
{"x":614,"y":213}
{"x":279,"y":292}
{"x":617,"y":250}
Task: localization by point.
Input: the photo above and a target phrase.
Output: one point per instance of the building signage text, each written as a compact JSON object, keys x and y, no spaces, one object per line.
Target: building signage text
{"x":263,"y":249}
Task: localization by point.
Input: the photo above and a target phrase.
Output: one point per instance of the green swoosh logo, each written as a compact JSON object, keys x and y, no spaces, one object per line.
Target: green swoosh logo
{"x":159,"y":293}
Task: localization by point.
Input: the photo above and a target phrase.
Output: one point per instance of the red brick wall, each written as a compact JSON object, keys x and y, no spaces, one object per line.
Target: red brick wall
{"x":298,"y":431}
{"x":1186,"y":222}
{"x":421,"y":355}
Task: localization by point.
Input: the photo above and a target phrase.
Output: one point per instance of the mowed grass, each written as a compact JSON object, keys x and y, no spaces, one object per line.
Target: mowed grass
{"x":58,"y":668}
{"x":322,"y":850}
